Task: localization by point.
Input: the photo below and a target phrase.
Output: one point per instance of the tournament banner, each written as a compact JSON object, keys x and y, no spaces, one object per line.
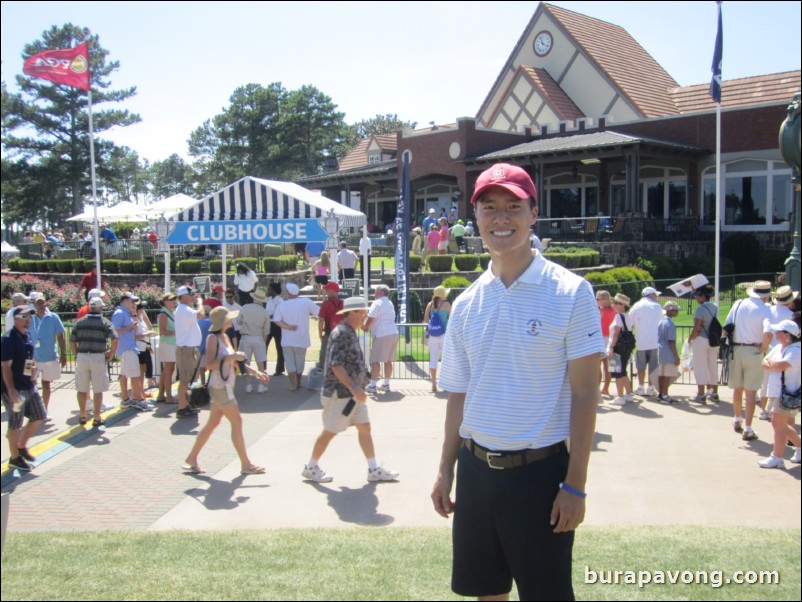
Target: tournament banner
{"x":69,"y":66}
{"x":401,"y":243}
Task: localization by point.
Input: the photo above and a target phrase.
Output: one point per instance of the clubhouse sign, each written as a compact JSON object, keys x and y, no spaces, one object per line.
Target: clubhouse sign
{"x":249,"y":231}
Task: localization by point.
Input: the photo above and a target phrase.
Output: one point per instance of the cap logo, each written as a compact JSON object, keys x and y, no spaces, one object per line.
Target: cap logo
{"x":498,"y":173}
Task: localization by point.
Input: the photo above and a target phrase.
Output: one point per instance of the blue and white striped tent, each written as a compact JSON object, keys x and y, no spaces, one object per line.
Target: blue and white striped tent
{"x":256,"y":199}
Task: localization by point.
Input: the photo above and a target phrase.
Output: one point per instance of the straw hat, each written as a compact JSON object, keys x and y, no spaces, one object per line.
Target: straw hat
{"x":441,"y":292}
{"x":259,"y":296}
{"x":761,"y":289}
{"x":619,"y":298}
{"x":219,"y":316}
{"x":669,"y":305}
{"x":784,"y":295}
{"x":353,"y":304}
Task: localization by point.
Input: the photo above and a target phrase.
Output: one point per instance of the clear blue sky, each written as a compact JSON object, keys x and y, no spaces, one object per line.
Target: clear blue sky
{"x":425,"y":61}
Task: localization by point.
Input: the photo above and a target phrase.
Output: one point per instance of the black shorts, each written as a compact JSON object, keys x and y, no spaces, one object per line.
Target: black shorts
{"x":502,"y":533}
{"x":322,"y":279}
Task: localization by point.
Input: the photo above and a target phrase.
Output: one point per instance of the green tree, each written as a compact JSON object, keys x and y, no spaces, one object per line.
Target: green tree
{"x":267,"y":132}
{"x":170,"y":177}
{"x":123,"y":175}
{"x":45,"y":126}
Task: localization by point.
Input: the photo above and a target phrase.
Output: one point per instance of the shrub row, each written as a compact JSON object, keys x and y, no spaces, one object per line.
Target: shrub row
{"x":629,"y":281}
{"x":573,"y":257}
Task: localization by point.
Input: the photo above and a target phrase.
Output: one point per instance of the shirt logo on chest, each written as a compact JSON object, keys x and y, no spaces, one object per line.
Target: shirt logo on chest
{"x":532,"y":327}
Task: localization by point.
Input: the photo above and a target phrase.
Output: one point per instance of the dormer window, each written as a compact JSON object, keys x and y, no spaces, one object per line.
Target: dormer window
{"x":374,"y":158}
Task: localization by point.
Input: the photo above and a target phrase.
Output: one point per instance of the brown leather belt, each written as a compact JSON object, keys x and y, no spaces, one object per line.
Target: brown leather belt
{"x":512,"y":459}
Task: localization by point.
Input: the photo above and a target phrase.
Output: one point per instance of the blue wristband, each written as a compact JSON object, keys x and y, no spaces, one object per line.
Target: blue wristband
{"x":572,"y":491}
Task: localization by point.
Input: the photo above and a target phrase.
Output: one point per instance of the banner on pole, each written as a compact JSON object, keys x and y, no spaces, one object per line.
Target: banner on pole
{"x":69,"y":66}
{"x":401,"y":251}
{"x":715,"y":82}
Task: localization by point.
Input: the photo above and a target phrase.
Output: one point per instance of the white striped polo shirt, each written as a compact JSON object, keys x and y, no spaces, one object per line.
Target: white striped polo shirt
{"x":508,"y":349}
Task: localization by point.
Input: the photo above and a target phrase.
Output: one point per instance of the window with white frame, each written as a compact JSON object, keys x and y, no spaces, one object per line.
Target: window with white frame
{"x":757,"y":194}
{"x":572,"y":195}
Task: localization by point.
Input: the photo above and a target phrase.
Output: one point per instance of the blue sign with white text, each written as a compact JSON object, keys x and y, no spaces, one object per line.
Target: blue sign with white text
{"x":247,"y":231}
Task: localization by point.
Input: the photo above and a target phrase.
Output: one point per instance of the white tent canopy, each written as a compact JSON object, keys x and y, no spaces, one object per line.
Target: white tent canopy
{"x":170,"y":205}
{"x":122,"y":212}
{"x":8,"y":248}
{"x":256,"y":199}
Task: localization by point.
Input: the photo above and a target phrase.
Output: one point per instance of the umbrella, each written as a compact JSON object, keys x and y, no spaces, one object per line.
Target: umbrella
{"x":173,"y":204}
{"x":124,"y":212}
{"x":7,"y":248}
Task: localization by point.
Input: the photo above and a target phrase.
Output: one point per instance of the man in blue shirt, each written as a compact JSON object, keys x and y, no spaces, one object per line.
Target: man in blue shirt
{"x":431,"y":219}
{"x":46,"y":330}
{"x":18,"y":388}
{"x":107,"y":234}
{"x":126,"y":326}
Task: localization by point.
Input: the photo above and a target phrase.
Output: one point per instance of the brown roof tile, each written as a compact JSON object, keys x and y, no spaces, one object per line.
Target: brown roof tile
{"x":745,"y":91}
{"x":633,"y":70}
{"x":358,"y":156}
{"x":551,"y":92}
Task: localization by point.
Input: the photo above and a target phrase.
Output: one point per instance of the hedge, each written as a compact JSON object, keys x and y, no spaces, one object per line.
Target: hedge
{"x":415,"y":263}
{"x":484,"y":260}
{"x":466,"y":263}
{"x":189,"y":266}
{"x":440,"y":263}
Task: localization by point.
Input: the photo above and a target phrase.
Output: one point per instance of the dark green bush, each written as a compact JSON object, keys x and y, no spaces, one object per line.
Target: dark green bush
{"x":14,"y":264}
{"x":251,"y":262}
{"x":660,"y":267}
{"x":141,"y":266}
{"x":79,"y":266}
{"x":415,"y":307}
{"x":772,"y":260}
{"x":189,"y":266}
{"x":603,"y":281}
{"x":706,"y":264}
{"x":484,"y":260}
{"x":415,"y":262}
{"x":466,"y":263}
{"x":111,"y":266}
{"x":440,"y":263}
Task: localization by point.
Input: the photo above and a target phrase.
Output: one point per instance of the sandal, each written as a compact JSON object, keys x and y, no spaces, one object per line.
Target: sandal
{"x":253,"y":469}
{"x":98,"y":422}
{"x":83,"y":420}
{"x":193,"y":468}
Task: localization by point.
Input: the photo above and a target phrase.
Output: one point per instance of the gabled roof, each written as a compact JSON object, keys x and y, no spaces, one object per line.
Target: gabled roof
{"x":557,"y":99}
{"x":581,"y":143}
{"x":746,"y":91}
{"x":630,"y":68}
{"x":358,"y":155}
{"x":379,"y":170}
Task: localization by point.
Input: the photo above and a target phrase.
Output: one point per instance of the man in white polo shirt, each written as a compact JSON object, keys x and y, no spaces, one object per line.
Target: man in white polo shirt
{"x":292,"y":316}
{"x":521,"y":365}
{"x":646,"y":315}
{"x":187,"y":344}
{"x":381,"y":323}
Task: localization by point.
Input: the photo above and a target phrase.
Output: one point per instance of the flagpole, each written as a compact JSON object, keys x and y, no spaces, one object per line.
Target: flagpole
{"x":718,"y":202}
{"x":96,"y":234}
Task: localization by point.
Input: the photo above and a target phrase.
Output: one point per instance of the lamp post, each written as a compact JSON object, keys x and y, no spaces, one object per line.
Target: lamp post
{"x":162,"y":227}
{"x":331,"y":224}
{"x":791,"y":150}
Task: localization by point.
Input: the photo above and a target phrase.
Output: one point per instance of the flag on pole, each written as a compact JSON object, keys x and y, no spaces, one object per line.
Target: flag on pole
{"x":715,"y":83}
{"x":69,"y":66}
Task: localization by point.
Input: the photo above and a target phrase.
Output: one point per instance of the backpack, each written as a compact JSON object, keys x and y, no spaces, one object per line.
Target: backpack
{"x":436,"y":327}
{"x":715,"y":331}
{"x":626,"y":340}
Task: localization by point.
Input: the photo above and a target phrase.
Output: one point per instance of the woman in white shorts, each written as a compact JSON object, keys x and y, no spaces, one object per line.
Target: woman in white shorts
{"x":442,"y":308}
{"x":220,"y":362}
{"x":167,"y":348}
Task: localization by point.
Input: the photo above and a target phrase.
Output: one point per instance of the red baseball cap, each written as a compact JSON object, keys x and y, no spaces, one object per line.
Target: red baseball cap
{"x":217,"y":289}
{"x":332,"y":286}
{"x":509,"y":177}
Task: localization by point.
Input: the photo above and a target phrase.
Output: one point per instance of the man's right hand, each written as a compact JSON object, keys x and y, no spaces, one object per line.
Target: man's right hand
{"x":441,"y":494}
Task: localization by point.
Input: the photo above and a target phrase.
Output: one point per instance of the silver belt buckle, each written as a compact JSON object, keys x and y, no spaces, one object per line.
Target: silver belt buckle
{"x":490,"y":464}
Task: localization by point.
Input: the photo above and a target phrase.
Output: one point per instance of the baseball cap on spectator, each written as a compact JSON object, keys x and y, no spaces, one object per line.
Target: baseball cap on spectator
{"x":19,"y":298}
{"x":649,"y":290}
{"x":332,"y":286}
{"x":183,"y":290}
{"x":96,"y":292}
{"x":96,"y":302}
{"x":431,"y":209}
{"x":34,"y":295}
{"x":292,"y":288}
{"x":217,"y":289}
{"x":22,"y":311}
{"x":788,"y":326}
{"x":510,"y":177}
{"x":670,"y":305}
{"x":129,"y":295}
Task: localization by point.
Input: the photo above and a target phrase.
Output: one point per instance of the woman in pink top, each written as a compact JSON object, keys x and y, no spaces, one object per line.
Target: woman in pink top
{"x":442,"y":246}
{"x":605,"y":303}
{"x":432,"y":241}
{"x":321,"y":270}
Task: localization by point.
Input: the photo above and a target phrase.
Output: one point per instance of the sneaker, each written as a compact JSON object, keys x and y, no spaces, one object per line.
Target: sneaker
{"x":316,"y":474}
{"x":380,"y":473}
{"x":386,"y":387}
{"x":629,"y":398}
{"x":249,"y":388}
{"x":29,"y":457}
{"x":19,"y":463}
{"x":186,"y":412}
{"x":370,"y":389}
{"x":261,"y":389}
{"x":736,"y":426}
{"x":640,"y":391}
{"x":105,"y":408}
{"x":796,"y":459}
{"x":619,"y":401}
{"x":772,"y":462}
{"x":128,"y":403}
{"x":700,"y":399}
{"x":764,"y":415}
{"x":143,"y":405}
{"x":713,"y":397}
{"x":749,"y":435}
{"x":651,"y":391}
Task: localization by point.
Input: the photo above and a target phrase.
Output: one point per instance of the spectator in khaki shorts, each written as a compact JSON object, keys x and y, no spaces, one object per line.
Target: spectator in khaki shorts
{"x":88,"y":342}
{"x":46,"y":331}
{"x":187,"y":341}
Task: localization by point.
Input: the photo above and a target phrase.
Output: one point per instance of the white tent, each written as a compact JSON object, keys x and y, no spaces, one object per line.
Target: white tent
{"x":170,"y":205}
{"x":8,"y":249}
{"x":122,"y":212}
{"x":256,"y":199}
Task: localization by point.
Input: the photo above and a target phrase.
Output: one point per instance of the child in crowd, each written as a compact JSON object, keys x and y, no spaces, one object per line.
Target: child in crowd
{"x":667,"y":354}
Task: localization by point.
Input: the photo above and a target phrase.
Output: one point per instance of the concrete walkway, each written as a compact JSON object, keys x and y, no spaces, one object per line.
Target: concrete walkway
{"x":651,"y":464}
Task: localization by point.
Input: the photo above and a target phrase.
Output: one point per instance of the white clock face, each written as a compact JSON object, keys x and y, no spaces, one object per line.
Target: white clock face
{"x":543,"y":43}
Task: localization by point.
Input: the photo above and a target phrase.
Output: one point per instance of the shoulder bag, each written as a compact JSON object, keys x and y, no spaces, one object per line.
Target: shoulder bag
{"x":789,"y":400}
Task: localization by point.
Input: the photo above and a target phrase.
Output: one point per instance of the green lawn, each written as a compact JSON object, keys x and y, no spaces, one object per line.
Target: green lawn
{"x":377,"y":564}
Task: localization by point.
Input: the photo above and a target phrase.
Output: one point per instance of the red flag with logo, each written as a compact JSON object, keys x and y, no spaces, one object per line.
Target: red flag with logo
{"x":69,"y":66}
